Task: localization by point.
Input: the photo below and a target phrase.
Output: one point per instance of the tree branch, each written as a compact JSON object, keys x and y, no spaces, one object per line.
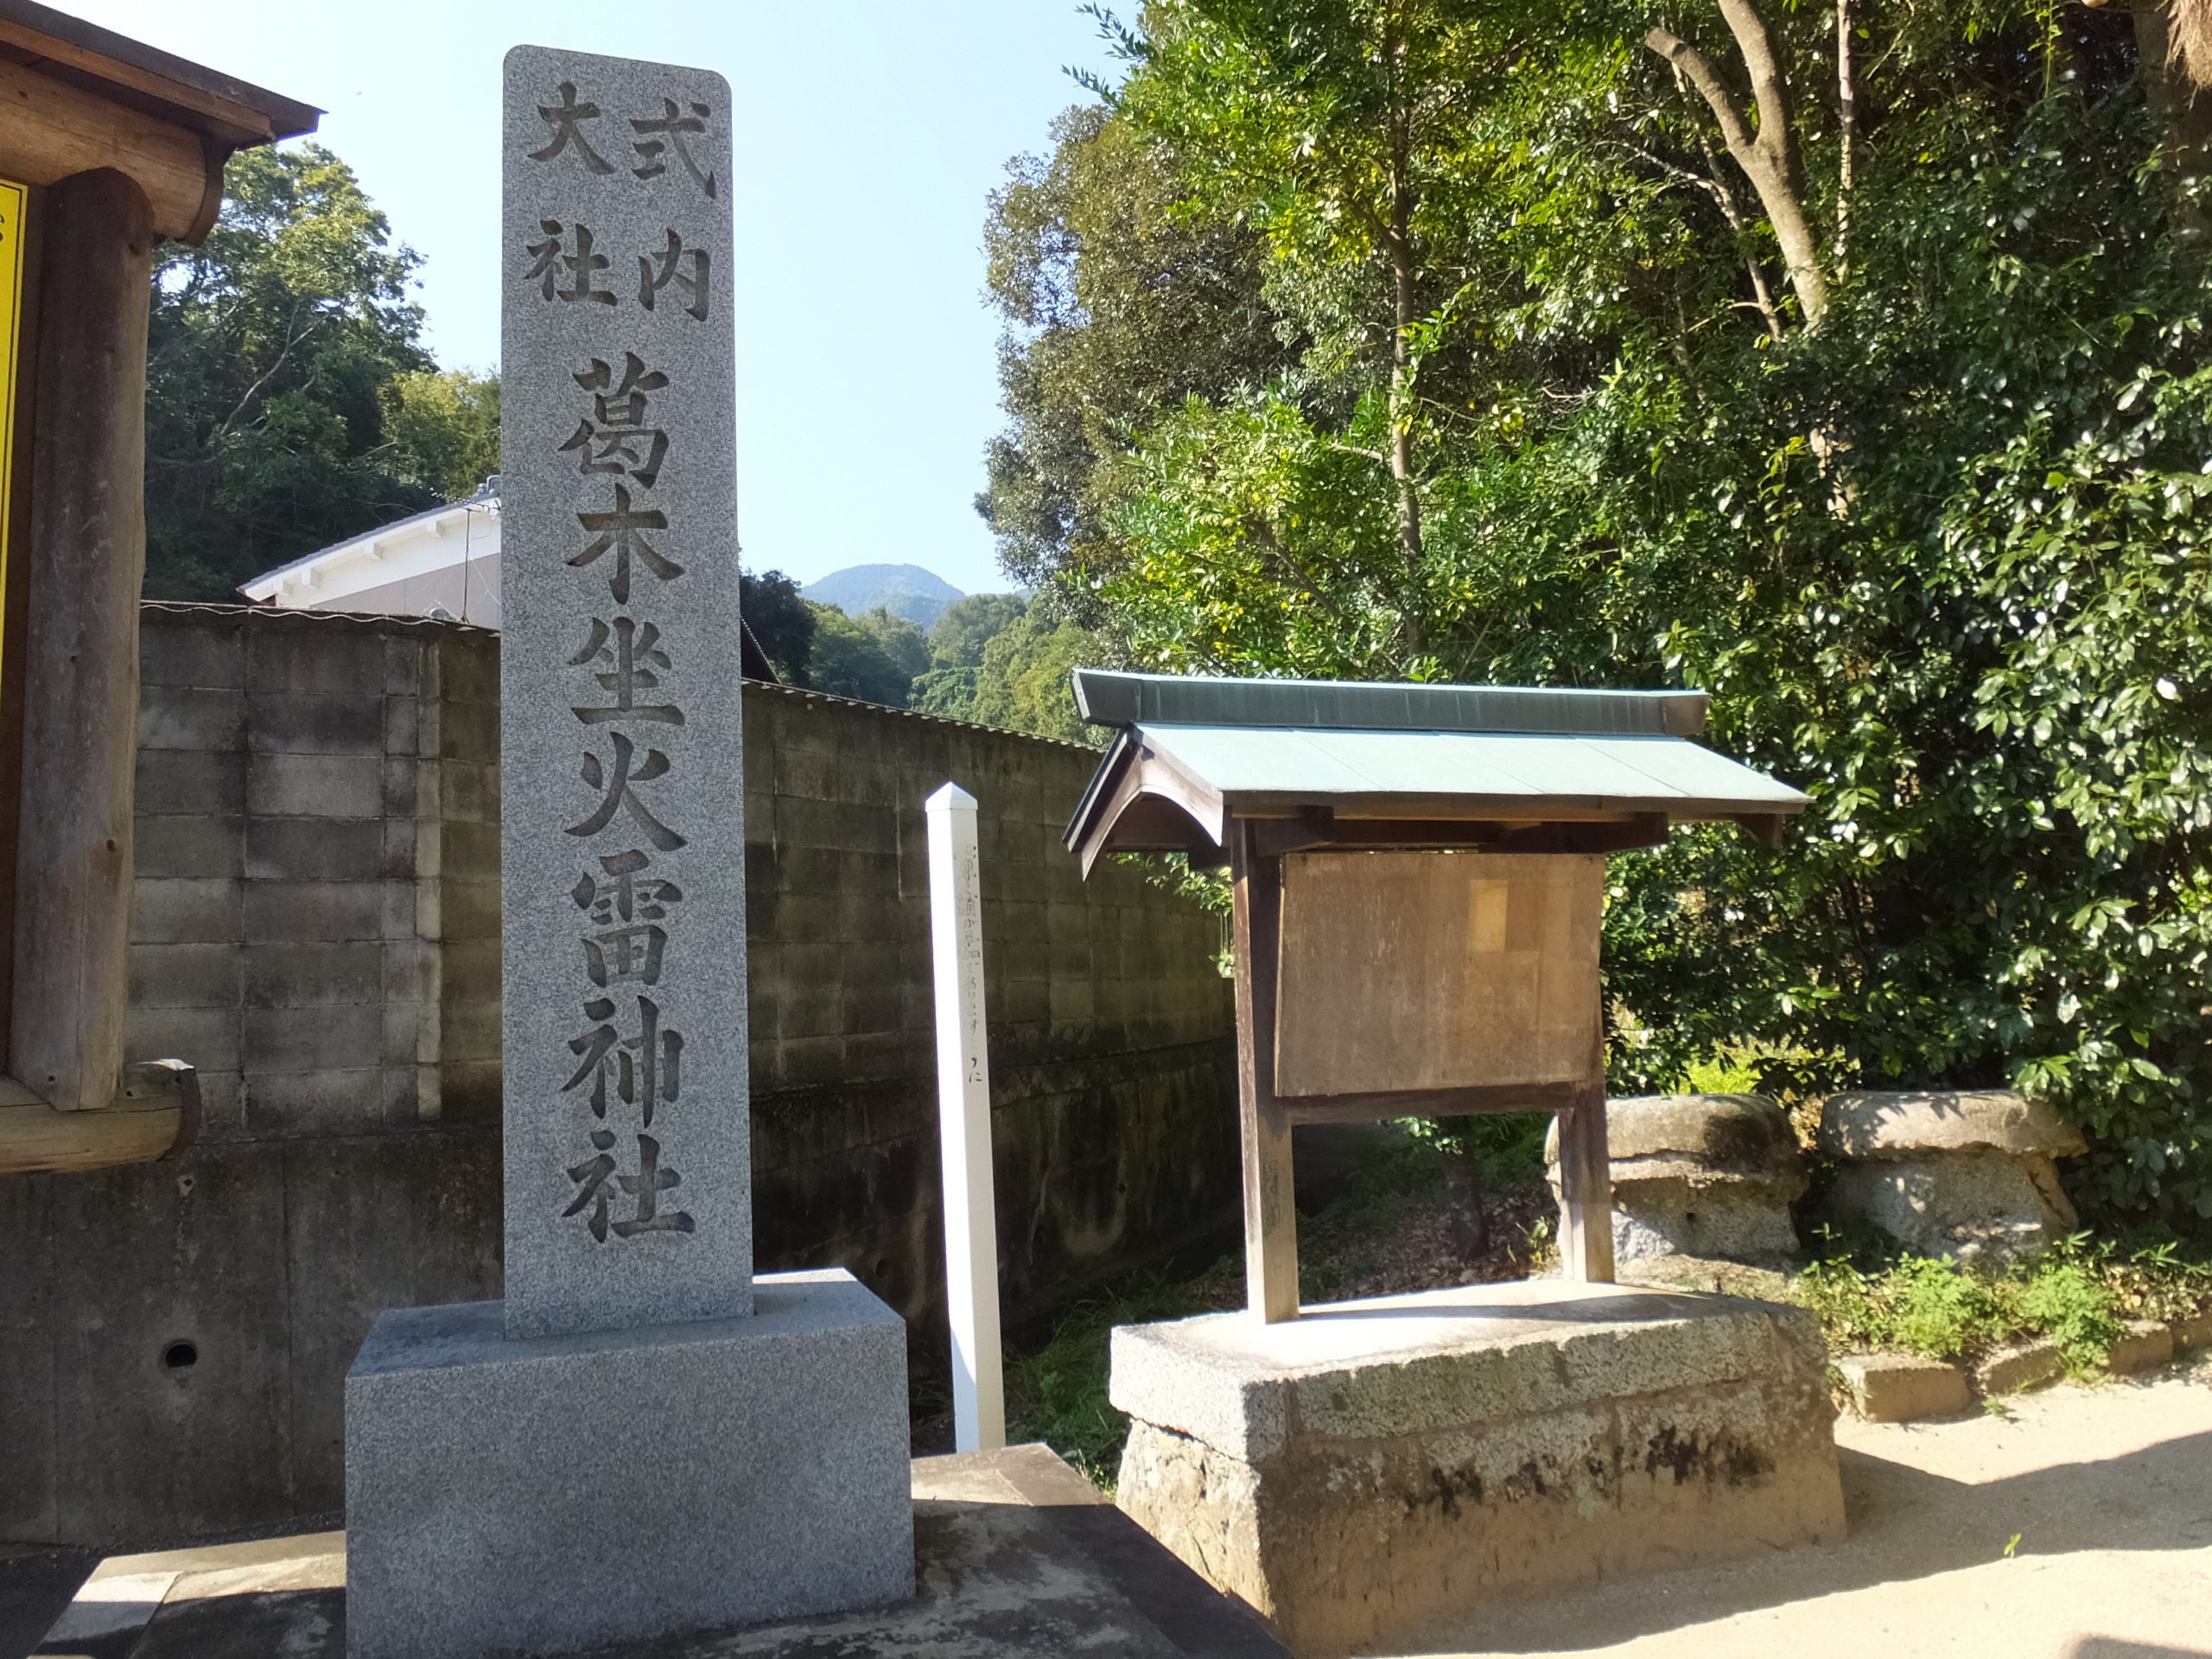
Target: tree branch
{"x":1734,"y":214}
{"x":293,"y":336}
{"x":1768,"y":157}
{"x":1770,"y":92}
{"x":1693,"y":66}
{"x":1264,"y":533}
{"x":1846,"y":94}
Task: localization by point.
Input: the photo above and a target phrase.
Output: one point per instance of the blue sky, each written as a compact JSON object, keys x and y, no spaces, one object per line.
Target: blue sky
{"x":867,"y":134}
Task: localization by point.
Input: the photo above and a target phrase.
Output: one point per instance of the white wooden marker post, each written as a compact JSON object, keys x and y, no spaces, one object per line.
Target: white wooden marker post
{"x":964,"y":1095}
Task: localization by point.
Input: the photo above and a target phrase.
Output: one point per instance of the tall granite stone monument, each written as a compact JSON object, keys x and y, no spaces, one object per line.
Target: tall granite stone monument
{"x":642,"y":1438}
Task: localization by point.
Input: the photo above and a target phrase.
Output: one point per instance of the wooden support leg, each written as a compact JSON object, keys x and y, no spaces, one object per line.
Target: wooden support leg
{"x":1271,"y":1217}
{"x":1586,"y":1190}
{"x":86,"y":565}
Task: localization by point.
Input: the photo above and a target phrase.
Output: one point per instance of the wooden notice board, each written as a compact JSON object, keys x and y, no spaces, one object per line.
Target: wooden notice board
{"x":1404,"y":971}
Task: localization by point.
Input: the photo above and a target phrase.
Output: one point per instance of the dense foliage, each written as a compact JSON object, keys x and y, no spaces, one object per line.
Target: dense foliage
{"x":288,"y":401}
{"x":1875,"y":403}
{"x":781,"y":621}
{"x":874,"y":657}
{"x":1000,"y":660}
{"x":994,"y":659}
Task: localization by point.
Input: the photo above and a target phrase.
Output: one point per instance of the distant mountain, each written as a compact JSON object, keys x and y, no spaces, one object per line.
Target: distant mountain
{"x":904,"y":590}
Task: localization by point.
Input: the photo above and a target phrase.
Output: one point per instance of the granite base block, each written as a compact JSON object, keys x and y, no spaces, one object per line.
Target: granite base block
{"x":552,"y":1494}
{"x":1371,"y":1475}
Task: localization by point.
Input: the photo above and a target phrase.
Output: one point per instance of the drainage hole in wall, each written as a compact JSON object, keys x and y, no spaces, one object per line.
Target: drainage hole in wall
{"x":179,"y":1357}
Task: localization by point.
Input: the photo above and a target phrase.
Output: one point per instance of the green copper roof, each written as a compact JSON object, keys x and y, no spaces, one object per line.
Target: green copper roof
{"x":1522,"y":770}
{"x":1194,"y":754}
{"x":1108,"y":698}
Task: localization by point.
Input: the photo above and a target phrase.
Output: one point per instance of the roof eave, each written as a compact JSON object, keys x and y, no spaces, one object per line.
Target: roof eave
{"x":233,"y":113}
{"x":430,"y":519}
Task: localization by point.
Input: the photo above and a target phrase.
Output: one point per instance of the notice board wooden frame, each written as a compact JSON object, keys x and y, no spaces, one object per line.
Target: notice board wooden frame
{"x":1266,"y":1116}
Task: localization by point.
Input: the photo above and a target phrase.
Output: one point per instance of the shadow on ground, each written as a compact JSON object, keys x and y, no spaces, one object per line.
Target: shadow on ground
{"x":1908,"y":1525}
{"x":34,"y":1589}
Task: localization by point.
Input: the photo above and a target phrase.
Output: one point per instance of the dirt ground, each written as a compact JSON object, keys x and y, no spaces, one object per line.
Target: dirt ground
{"x":2108,"y":1489}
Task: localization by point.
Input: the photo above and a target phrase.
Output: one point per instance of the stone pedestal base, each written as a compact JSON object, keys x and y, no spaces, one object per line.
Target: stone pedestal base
{"x":1374,"y":1470}
{"x":549,"y":1495}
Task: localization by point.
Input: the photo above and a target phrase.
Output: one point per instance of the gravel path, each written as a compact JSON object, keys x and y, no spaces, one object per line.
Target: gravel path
{"x":2108,"y":1488}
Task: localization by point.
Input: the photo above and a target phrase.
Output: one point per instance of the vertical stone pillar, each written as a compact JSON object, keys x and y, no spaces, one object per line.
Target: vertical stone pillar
{"x":622,"y":844}
{"x":641,"y":1440}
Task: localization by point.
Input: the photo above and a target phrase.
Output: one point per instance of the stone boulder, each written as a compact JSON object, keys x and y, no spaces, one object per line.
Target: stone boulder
{"x":1948,"y":1172}
{"x":1711,"y":1176}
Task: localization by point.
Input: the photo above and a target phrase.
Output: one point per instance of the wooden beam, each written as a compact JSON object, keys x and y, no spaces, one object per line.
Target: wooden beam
{"x":156,"y":1115}
{"x":1642,"y":829}
{"x":1315,"y":826}
{"x":50,"y":132}
{"x":1270,"y":1214}
{"x":1319,"y":829}
{"x":80,"y":704}
{"x":1383,"y":1105}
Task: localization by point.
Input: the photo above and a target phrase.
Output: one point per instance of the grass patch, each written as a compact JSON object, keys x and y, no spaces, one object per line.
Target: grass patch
{"x":2077,"y":1294}
{"x":1057,"y":1393}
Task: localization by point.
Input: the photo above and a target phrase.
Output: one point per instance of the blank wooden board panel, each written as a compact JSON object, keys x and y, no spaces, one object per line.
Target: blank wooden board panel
{"x":1436,"y":971}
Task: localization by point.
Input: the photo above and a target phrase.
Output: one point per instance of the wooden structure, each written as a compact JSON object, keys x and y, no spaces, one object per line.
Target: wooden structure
{"x":107,"y":147}
{"x":1419,"y":879}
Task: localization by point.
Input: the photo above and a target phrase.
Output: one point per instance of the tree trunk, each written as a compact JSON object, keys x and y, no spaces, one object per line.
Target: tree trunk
{"x":2183,"y":105}
{"x":1847,"y":99}
{"x":1404,"y":314}
{"x":1768,"y":157}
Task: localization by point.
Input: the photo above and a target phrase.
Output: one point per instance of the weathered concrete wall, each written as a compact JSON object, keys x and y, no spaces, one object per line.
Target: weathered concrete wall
{"x":316,"y":927}
{"x":1110,"y":1047}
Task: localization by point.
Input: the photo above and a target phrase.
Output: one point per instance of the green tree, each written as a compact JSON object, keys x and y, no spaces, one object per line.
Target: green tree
{"x":443,"y":427}
{"x":874,"y":657}
{"x":1856,"y":375}
{"x":1337,"y":131}
{"x":782,"y":623}
{"x":1022,"y":684}
{"x":957,"y":638}
{"x":1116,"y":308}
{"x":956,"y":645}
{"x":273,"y":351}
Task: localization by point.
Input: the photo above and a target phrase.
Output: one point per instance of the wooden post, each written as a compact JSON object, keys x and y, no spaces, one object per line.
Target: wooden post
{"x":963,"y":1105}
{"x":1585,"y":1183}
{"x":80,"y":685}
{"x":1270,"y":1215}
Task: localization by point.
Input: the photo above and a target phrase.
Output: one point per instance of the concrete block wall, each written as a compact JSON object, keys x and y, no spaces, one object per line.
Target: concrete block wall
{"x":316,"y":920}
{"x":315,"y":925}
{"x":1112,"y":1052}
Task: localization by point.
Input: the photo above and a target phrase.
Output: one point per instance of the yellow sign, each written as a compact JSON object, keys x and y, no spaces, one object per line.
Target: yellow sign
{"x":14,"y":199}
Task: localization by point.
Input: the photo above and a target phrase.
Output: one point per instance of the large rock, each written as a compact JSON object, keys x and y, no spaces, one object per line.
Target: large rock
{"x":1710,"y":1176}
{"x":1874,"y":1124}
{"x":1959,"y":1172}
{"x":1374,"y":1470}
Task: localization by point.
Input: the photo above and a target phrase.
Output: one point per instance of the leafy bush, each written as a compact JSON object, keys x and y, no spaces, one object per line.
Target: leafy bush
{"x":1916,"y":1306}
{"x":2077,"y":1294}
{"x":1930,"y":519}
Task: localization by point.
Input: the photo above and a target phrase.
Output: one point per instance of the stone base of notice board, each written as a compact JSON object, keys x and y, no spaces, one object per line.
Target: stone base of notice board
{"x":552,"y":1494}
{"x":1376,"y":1469}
